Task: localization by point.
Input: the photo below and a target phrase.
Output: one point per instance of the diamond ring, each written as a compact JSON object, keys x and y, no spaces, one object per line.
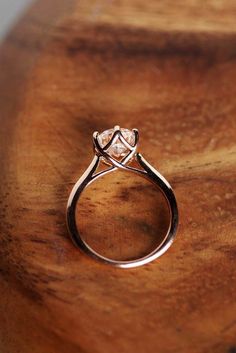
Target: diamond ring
{"x":117,"y":148}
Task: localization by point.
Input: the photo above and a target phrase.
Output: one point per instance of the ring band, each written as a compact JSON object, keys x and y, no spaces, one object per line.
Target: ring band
{"x":117,"y":148}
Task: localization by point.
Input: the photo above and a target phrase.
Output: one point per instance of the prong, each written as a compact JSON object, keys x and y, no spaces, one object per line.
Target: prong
{"x":116,"y":128}
{"x":95,"y":134}
{"x":136,"y":136}
{"x":96,"y":143}
{"x":95,"y":139}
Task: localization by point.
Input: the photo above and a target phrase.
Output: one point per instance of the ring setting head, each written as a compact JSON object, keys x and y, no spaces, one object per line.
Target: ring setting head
{"x":118,"y":143}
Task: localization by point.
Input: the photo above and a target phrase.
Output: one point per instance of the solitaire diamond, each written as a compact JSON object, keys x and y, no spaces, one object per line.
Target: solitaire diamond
{"x":117,"y":149}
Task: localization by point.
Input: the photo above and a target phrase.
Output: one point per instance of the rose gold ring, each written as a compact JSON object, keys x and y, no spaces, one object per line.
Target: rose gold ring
{"x":117,"y":148}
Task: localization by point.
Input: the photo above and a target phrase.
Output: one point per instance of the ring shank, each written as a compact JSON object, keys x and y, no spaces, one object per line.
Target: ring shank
{"x":151,"y":175}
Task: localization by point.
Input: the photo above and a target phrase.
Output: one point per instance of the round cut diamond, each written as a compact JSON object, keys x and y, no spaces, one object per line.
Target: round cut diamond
{"x":117,"y":149}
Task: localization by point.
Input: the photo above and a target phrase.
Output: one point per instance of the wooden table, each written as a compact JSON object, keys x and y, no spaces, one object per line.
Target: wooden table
{"x":69,"y":68}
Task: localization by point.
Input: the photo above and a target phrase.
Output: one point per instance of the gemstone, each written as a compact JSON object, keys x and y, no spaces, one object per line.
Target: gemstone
{"x":117,"y":149}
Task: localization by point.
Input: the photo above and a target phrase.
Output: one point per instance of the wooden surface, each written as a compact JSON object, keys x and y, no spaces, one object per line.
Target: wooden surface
{"x":72,"y":67}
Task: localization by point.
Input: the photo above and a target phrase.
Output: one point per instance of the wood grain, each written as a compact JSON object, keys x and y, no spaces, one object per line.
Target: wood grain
{"x":69,"y":68}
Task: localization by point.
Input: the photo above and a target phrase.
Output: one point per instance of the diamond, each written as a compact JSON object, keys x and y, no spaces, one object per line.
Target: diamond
{"x":117,"y":148}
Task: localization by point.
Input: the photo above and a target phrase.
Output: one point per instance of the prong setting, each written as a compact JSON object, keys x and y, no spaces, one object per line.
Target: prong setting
{"x":117,"y":145}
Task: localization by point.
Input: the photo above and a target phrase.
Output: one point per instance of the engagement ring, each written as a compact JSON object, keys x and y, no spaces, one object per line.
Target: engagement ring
{"x":117,"y":149}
